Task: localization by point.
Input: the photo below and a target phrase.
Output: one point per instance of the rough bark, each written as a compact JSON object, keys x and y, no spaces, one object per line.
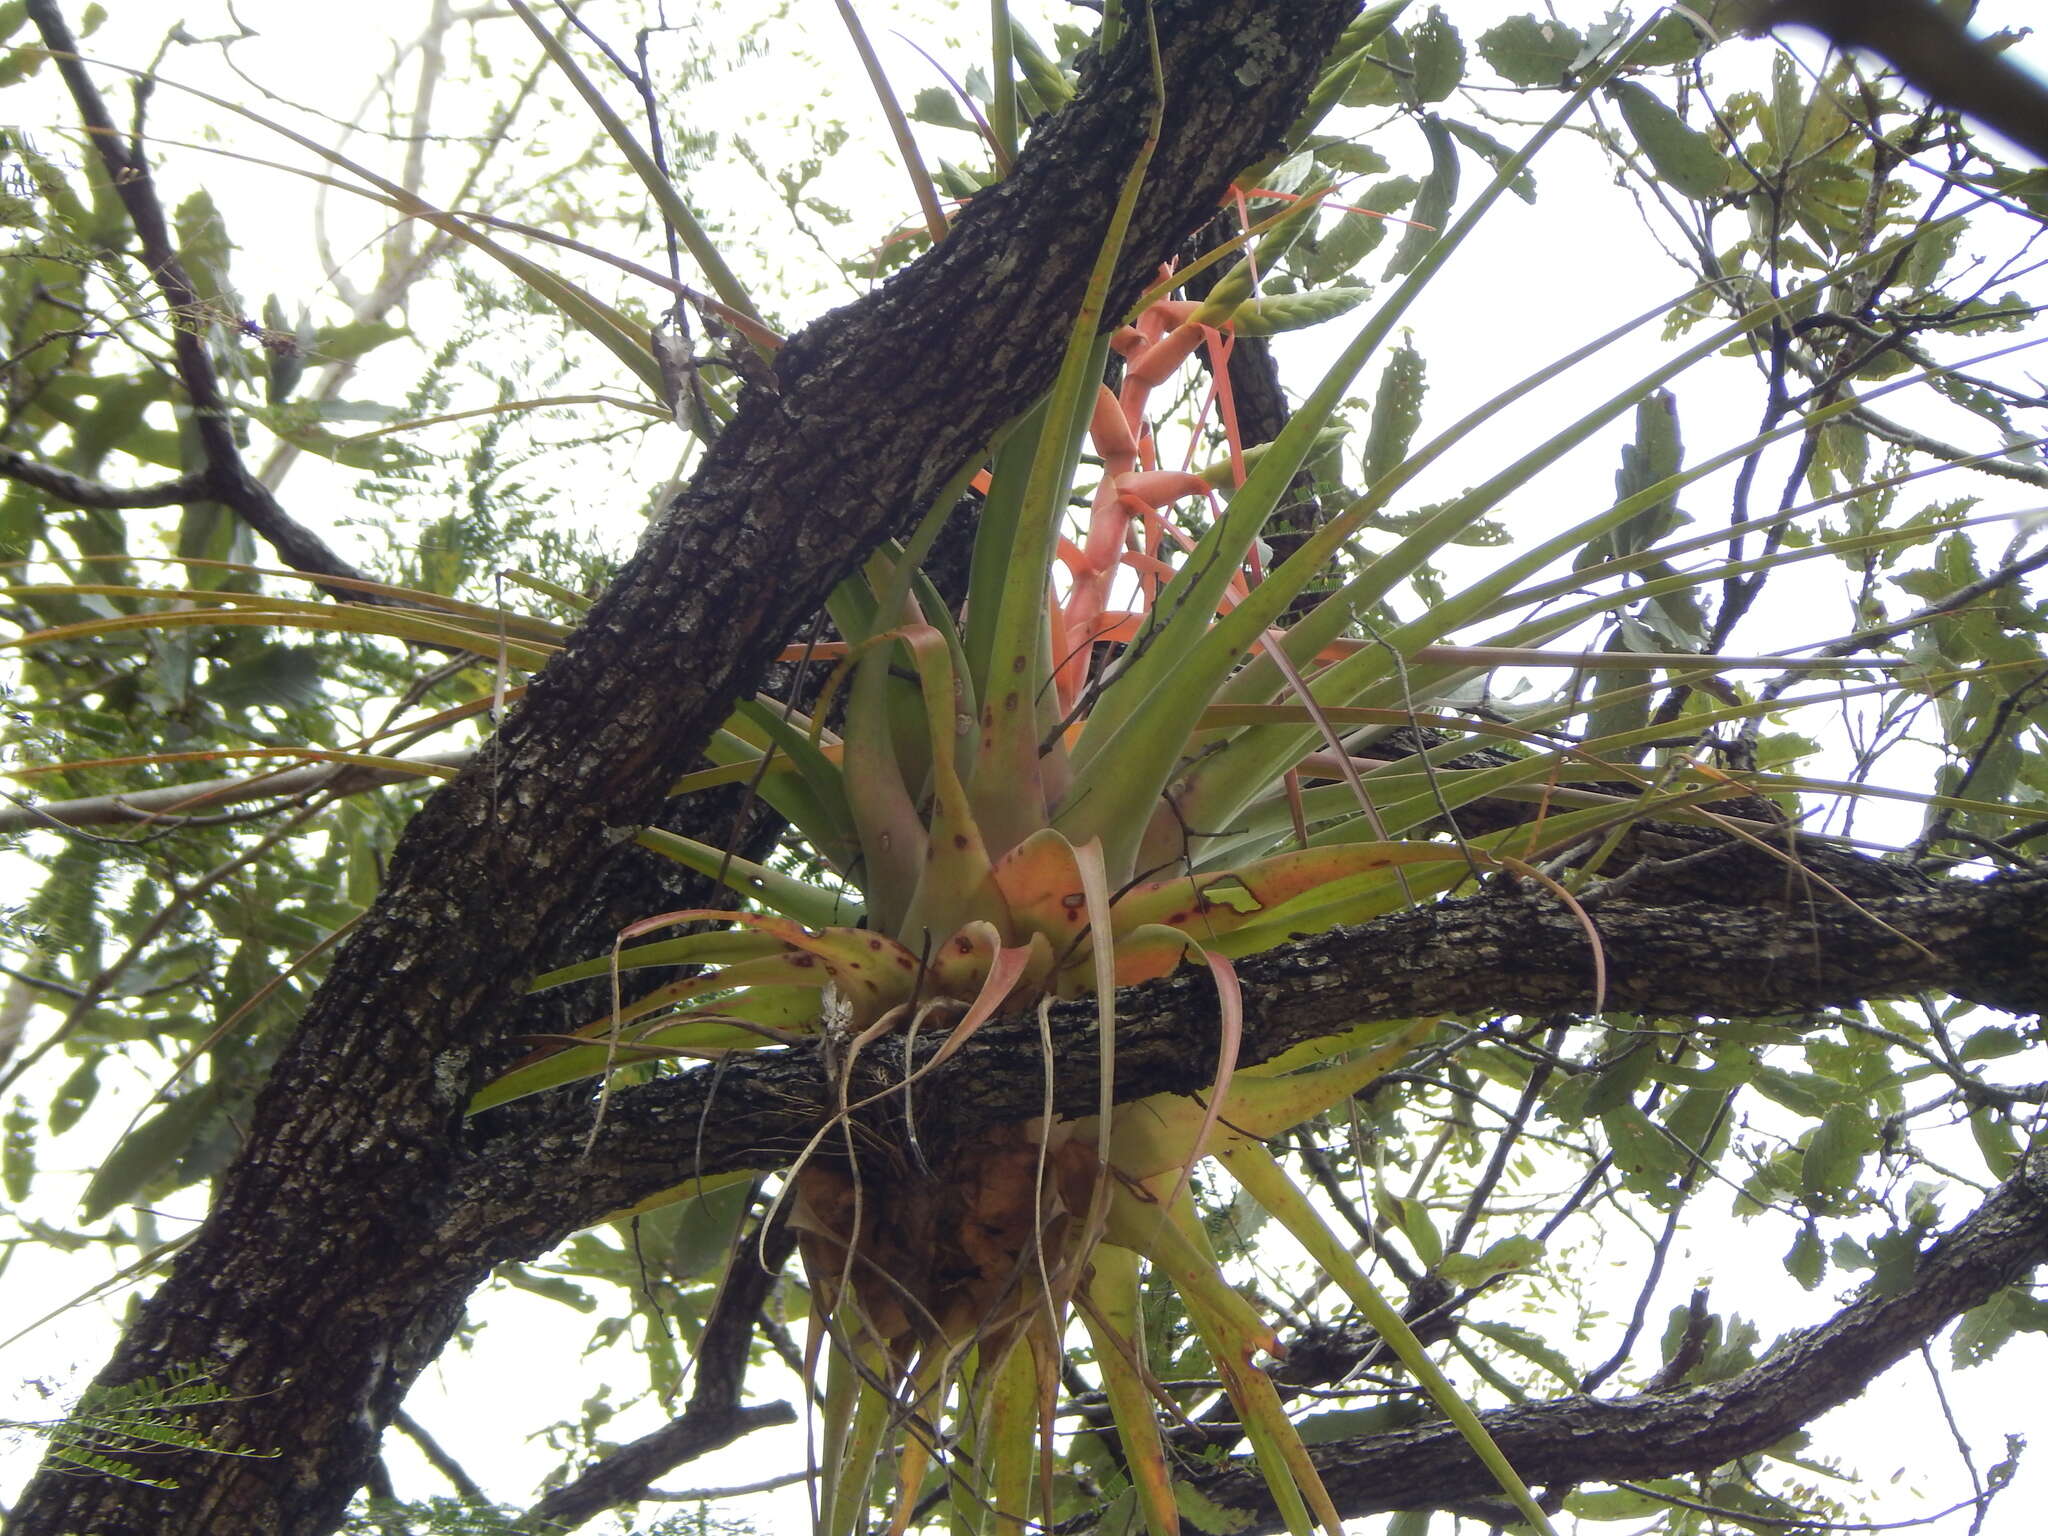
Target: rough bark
{"x":317,"y":1288}
{"x":1505,"y":952}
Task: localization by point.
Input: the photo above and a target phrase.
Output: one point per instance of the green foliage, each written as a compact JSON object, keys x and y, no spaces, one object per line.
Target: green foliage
{"x":474,"y":444}
{"x":114,"y":1430}
{"x":453,"y":1517}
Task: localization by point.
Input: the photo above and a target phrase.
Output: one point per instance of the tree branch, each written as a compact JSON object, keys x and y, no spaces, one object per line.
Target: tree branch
{"x":81,"y":492}
{"x":168,"y":802}
{"x":1919,"y":442}
{"x":1655,"y":1434}
{"x":714,"y":1417}
{"x":1936,"y":56}
{"x":438,"y":1458}
{"x":1503,"y":952}
{"x":227,"y":479}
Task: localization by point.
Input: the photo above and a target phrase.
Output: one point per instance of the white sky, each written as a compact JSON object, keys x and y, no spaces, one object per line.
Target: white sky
{"x":1513,"y":302}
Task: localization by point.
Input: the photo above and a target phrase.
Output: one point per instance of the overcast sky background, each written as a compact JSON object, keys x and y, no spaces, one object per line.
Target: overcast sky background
{"x":1512,"y":302}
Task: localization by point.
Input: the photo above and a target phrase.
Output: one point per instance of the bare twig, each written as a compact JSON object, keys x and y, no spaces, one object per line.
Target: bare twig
{"x":228,"y":479}
{"x":1937,"y":56}
{"x":439,"y":1459}
{"x":171,"y":801}
{"x":81,"y":492}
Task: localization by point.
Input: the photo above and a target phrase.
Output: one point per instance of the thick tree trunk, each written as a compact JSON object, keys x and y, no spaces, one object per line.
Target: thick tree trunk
{"x":322,"y":1282}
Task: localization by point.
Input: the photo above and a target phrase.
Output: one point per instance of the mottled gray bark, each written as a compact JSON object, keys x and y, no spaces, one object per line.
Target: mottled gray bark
{"x":1505,"y":952}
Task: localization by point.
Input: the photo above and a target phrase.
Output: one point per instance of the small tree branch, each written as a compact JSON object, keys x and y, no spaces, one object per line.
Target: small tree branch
{"x":1877,"y":634}
{"x":1936,"y":56}
{"x":81,"y":492}
{"x":439,"y":1459}
{"x":1577,"y":1440}
{"x":1919,"y":442}
{"x":228,"y":480}
{"x":624,"y":1475}
{"x":714,"y":1417}
{"x":168,"y":802}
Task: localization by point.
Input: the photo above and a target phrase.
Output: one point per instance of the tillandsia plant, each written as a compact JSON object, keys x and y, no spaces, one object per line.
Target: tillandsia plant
{"x":1133,"y":740}
{"x":988,"y":846}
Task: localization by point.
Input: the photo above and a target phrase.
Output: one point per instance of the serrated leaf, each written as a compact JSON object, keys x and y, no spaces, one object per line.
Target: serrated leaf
{"x":1923,"y":1205}
{"x":1529,"y":50}
{"x":1657,"y":453}
{"x":1396,"y":412}
{"x":553,"y":1287}
{"x":1930,"y":253}
{"x":1671,"y":40}
{"x":1682,"y":155}
{"x":1439,"y":56}
{"x":1990,"y":1042}
{"x":1351,"y":158}
{"x":1618,"y":1079}
{"x":1836,"y":1149}
{"x":1383,"y":73}
{"x":346,"y":343}
{"x":1599,"y":37}
{"x":939,"y":107}
{"x":1649,"y":1163}
{"x":1894,"y":1257}
{"x":1996,"y":1142}
{"x":1530,"y":1347}
{"x":1807,"y":1261}
{"x":1626,"y":1503}
{"x":1411,"y":1219}
{"x":1696,"y":1120}
{"x":1357,"y":235}
{"x":1803,"y":1093}
{"x":1984,"y":1329}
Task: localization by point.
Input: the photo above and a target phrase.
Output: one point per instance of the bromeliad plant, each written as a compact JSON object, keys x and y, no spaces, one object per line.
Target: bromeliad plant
{"x":984,"y":851}
{"x":1046,"y":795}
